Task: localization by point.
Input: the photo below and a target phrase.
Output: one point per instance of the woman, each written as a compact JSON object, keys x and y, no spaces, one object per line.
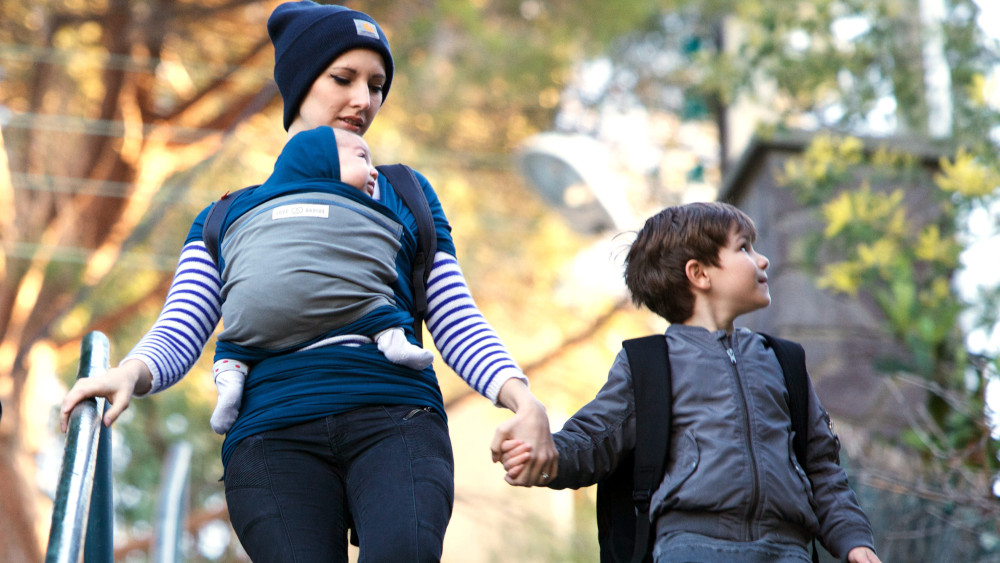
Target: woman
{"x":336,"y":436}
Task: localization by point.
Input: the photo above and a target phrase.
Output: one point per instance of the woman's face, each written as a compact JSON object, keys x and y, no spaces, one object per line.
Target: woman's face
{"x":347,"y":95}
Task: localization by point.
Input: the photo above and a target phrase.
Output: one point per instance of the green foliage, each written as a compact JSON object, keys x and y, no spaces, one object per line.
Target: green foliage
{"x":824,"y":166}
{"x":906,"y":265}
{"x":481,"y":76}
{"x":831,"y":63}
{"x":852,"y":53}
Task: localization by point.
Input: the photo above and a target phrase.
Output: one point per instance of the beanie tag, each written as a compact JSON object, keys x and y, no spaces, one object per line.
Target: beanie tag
{"x":366,"y":29}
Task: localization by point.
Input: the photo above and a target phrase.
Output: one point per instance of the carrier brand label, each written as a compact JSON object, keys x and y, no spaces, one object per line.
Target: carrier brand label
{"x":300,"y":210}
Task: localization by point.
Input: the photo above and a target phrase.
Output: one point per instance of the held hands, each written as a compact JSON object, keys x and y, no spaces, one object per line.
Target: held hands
{"x":538,"y":461}
{"x":117,"y":385}
{"x":862,"y":555}
{"x":515,"y":455}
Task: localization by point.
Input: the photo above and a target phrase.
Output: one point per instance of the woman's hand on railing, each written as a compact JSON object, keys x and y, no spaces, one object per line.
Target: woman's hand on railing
{"x":117,"y":385}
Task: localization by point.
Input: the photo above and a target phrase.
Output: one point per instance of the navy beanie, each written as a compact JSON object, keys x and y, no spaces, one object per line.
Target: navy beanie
{"x":308,"y":36}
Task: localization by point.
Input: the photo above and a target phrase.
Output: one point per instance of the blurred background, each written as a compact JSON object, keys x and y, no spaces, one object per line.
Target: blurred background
{"x":861,"y":135}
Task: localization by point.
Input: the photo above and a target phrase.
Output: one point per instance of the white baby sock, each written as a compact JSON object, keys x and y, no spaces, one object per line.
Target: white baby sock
{"x":393,"y":343}
{"x":229,"y":378}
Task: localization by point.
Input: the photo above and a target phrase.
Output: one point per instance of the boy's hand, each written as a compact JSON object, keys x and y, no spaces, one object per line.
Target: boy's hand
{"x":862,"y":555}
{"x":515,"y":454}
{"x":530,"y":424}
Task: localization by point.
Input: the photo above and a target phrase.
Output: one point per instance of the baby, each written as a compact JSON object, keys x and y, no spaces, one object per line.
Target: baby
{"x":308,"y":165}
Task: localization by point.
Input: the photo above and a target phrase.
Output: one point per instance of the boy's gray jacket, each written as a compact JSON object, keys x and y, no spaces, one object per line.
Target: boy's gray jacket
{"x":731,"y":472}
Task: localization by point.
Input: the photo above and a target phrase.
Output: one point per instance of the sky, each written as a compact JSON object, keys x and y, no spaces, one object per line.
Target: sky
{"x":981,"y":260}
{"x":989,"y":16}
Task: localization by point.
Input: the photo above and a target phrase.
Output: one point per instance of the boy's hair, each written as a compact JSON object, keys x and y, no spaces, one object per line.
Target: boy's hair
{"x":655,"y":265}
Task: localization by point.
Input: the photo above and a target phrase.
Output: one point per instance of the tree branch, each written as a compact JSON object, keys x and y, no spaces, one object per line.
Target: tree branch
{"x":563,"y":348}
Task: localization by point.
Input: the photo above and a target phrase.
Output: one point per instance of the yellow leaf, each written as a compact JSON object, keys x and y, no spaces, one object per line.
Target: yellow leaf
{"x":838,"y":213}
{"x":967,"y":176}
{"x":931,"y":247}
{"x":879,"y":254}
{"x":843,"y":277}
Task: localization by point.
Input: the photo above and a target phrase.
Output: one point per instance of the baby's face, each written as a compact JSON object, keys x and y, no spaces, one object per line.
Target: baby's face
{"x":356,"y":167}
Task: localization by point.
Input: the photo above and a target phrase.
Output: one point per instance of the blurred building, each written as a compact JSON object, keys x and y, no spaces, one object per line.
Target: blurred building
{"x":845,"y":338}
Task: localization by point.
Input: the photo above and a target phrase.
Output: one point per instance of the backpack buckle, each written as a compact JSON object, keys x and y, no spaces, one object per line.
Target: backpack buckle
{"x":641,"y":497}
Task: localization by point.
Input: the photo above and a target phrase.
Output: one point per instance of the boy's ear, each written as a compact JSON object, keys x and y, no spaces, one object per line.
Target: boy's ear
{"x":697,"y":275}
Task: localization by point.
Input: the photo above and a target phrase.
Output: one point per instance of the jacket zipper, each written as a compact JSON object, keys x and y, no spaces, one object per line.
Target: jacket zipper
{"x":755,"y":477}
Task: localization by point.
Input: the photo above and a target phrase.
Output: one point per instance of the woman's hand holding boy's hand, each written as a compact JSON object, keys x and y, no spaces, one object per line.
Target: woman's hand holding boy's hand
{"x":530,"y":426}
{"x":514,"y":454}
{"x":862,"y":555}
{"x":117,"y":385}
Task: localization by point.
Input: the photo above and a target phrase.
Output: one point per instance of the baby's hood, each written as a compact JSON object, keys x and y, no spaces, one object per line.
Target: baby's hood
{"x":308,"y":155}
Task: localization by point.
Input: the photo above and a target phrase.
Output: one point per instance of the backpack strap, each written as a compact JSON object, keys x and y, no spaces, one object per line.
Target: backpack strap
{"x":404,"y":181}
{"x":211,"y":231}
{"x":792,"y":358}
{"x":650,"y":366}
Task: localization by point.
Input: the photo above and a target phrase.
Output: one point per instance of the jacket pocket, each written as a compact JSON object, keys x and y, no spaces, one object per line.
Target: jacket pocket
{"x":800,"y":472}
{"x":687,"y":456}
{"x":800,"y":508}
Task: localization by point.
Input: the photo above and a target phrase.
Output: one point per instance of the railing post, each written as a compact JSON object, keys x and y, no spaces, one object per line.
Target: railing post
{"x":84,"y":438}
{"x":172,"y":506}
{"x":99,"y":546}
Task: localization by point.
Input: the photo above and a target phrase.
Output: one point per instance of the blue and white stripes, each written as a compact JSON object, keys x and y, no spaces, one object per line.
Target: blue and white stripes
{"x":187,"y":321}
{"x":468,"y":344}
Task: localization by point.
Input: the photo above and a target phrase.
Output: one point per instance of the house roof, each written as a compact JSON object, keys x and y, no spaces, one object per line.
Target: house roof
{"x":738,"y":180}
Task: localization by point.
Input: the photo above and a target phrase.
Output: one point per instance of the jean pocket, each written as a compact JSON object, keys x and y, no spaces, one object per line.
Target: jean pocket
{"x":247,"y":467}
{"x":425,"y":433}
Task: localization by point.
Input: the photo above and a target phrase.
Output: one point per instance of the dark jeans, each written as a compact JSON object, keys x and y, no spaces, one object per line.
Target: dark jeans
{"x":291,"y":492}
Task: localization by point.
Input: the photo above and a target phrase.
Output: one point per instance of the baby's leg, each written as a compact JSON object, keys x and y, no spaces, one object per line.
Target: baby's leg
{"x":393,"y":343}
{"x":229,"y":378}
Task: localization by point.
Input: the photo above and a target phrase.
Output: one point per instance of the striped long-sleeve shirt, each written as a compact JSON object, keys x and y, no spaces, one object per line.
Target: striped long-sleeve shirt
{"x":287,"y":388}
{"x":468,"y":343}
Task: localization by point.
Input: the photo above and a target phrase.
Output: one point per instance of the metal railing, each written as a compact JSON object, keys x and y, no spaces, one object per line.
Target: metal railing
{"x":172,"y":505}
{"x":83,"y":514}
{"x":82,"y":517}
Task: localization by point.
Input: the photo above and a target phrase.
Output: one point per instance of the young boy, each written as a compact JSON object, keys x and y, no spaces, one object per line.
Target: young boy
{"x":733,"y":489}
{"x":313,"y":192}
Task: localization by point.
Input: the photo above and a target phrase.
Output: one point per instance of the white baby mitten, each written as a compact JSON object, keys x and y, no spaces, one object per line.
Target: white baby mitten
{"x":393,"y":343}
{"x":229,"y":378}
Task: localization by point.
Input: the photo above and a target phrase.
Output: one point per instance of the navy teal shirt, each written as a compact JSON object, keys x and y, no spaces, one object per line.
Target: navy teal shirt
{"x":287,"y":387}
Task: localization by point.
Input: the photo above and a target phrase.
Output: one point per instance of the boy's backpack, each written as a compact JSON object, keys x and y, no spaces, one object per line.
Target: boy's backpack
{"x":408,"y":188}
{"x":623,"y":527}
